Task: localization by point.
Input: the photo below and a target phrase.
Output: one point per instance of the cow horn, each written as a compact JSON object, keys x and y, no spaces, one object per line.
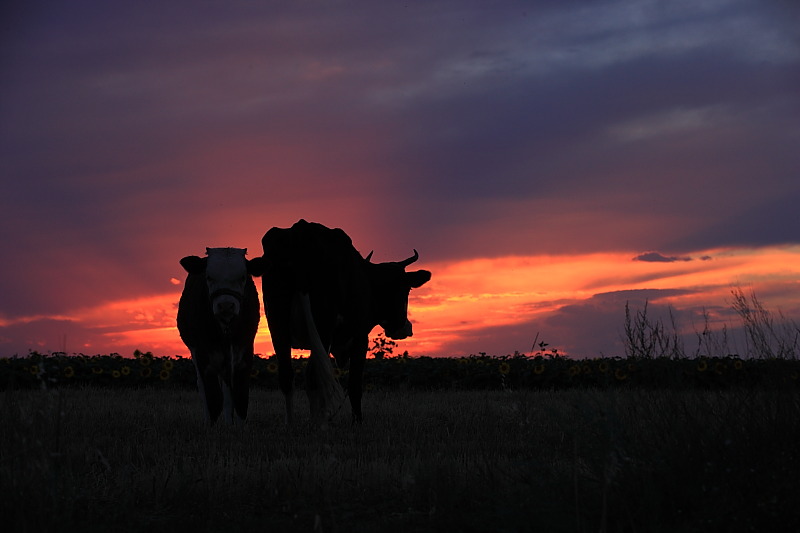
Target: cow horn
{"x":369,"y":257}
{"x":410,"y":259}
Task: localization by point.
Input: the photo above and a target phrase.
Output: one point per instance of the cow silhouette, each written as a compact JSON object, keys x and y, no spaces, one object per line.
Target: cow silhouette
{"x":320,"y":294}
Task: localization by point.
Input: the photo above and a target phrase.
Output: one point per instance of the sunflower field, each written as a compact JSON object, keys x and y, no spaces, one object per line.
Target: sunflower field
{"x":475,"y":372}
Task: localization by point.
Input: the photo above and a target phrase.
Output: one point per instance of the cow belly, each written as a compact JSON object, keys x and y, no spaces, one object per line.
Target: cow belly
{"x":299,"y":331}
{"x":301,"y":338}
{"x":300,"y":343}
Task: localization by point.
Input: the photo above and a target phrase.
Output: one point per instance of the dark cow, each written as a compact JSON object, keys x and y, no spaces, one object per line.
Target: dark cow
{"x":218,"y":317}
{"x":321,"y":294}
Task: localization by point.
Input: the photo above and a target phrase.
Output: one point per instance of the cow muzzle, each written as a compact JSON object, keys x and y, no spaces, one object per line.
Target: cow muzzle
{"x":225,"y":305}
{"x":400,"y":333}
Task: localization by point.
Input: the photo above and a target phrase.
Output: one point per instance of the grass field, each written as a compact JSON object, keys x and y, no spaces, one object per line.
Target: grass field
{"x":127,"y":459}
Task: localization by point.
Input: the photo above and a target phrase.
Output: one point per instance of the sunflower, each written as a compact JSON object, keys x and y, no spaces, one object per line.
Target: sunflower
{"x":69,"y":372}
{"x":737,"y":364}
{"x":168,"y":365}
{"x":97,"y":370}
{"x":538,"y":369}
{"x":115,"y":374}
{"x":504,"y":368}
{"x":34,"y":369}
{"x":574,"y":370}
{"x":603,"y":367}
{"x":620,"y":374}
{"x":163,"y":375}
{"x":146,"y":372}
{"x":145,"y":360}
{"x":702,"y":366}
{"x":272,"y":368}
{"x":125,"y":370}
{"x":254,"y":373}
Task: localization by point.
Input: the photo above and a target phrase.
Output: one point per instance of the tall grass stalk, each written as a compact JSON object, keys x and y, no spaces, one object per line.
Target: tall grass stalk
{"x":646,"y":337}
{"x":766,"y":335}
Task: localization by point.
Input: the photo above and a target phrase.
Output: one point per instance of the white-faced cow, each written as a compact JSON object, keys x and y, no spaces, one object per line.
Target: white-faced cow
{"x":321,"y":294}
{"x":218,"y":317}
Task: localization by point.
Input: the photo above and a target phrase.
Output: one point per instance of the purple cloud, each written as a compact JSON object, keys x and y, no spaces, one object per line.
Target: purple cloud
{"x":655,"y":257}
{"x":132,"y":135}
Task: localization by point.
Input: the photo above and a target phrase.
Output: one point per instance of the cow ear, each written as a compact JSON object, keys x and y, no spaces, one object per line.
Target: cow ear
{"x":418,"y":278}
{"x":193,"y":264}
{"x":257,"y":266}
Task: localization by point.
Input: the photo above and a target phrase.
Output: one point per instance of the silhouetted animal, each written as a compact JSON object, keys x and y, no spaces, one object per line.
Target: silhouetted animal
{"x":321,"y":294}
{"x":218,"y":316}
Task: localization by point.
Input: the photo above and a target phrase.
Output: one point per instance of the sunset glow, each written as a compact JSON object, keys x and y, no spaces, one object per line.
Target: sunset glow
{"x":550,"y":161}
{"x":458,"y":312}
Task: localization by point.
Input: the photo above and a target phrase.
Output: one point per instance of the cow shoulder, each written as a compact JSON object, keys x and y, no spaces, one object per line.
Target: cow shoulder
{"x":275,"y":239}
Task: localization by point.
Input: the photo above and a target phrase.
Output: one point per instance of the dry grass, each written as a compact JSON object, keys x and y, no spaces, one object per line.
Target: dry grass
{"x":129,"y":460}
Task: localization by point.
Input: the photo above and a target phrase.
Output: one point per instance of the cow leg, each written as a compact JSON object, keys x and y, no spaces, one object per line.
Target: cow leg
{"x":227,"y":398}
{"x":241,"y":365}
{"x":316,"y":402}
{"x":213,"y":395}
{"x":286,"y":382}
{"x":283,"y":352}
{"x":354,"y":386}
{"x":321,"y":386}
{"x":210,"y":391}
{"x":207,"y":386}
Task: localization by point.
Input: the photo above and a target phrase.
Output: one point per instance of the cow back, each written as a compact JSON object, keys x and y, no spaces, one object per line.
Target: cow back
{"x":322,"y":262}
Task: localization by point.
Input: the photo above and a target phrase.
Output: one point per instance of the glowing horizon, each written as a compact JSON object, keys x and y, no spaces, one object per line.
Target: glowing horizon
{"x":466,"y":299}
{"x":528,"y":160}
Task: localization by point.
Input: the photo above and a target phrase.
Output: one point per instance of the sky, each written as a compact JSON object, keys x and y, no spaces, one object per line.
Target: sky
{"x":550,"y":161}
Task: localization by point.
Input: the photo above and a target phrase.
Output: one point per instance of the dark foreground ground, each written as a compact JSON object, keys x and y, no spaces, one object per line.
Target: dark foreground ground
{"x":129,"y":459}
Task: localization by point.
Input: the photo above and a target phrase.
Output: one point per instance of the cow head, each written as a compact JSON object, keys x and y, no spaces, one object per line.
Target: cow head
{"x":392,"y":285}
{"x":226,"y":273}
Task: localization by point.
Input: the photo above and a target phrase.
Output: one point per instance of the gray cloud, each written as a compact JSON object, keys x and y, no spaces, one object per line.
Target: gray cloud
{"x":655,"y":257}
{"x":133,"y":134}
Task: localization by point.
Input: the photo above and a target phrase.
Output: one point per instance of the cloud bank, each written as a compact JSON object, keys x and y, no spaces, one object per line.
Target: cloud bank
{"x":135,"y":133}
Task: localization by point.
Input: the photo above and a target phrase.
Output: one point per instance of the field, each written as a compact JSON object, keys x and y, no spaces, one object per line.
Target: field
{"x":97,"y":457}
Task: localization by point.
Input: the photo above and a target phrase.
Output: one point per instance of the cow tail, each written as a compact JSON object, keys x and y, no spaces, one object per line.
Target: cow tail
{"x":325,"y":394}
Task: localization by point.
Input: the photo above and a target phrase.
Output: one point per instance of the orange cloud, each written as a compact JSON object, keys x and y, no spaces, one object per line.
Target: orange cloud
{"x":466,"y":298}
{"x":475,"y":295}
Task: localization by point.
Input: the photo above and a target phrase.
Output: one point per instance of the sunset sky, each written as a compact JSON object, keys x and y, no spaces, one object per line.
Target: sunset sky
{"x":550,"y":161}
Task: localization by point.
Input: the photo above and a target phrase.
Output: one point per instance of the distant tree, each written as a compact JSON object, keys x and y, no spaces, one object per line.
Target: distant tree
{"x":382,"y":347}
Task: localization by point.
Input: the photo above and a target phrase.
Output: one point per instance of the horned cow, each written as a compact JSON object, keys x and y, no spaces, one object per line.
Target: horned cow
{"x":218,"y":317}
{"x":321,"y":294}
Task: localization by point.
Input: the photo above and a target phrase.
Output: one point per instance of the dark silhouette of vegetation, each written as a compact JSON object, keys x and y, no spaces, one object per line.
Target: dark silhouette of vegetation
{"x":767,"y":335}
{"x":476,"y":372}
{"x":655,"y":441}
{"x":382,"y":346}
{"x":583,"y":460}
